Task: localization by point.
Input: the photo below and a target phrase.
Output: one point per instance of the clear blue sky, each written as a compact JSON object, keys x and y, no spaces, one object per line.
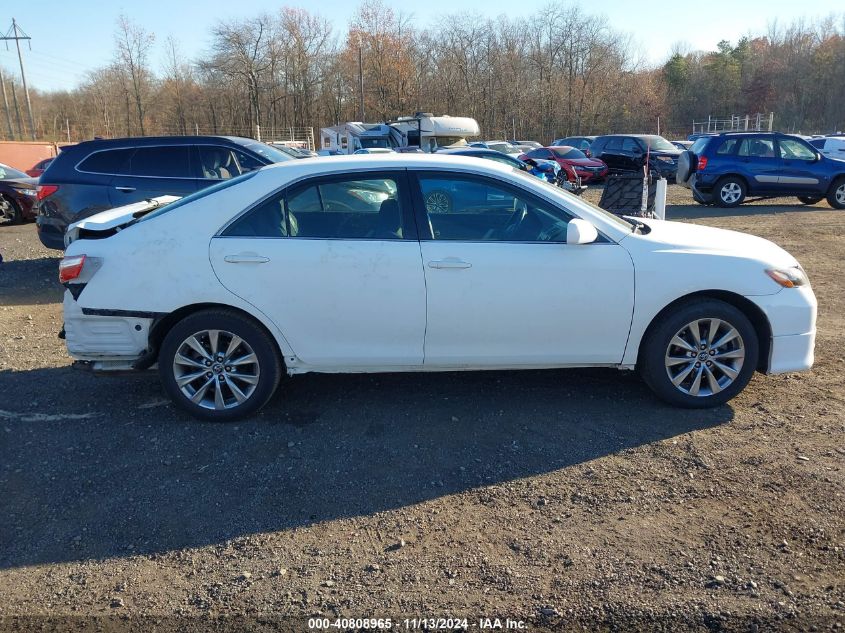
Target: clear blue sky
{"x":70,"y":38}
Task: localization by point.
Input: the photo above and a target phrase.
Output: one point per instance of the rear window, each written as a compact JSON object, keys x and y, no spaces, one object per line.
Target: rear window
{"x":109,"y":161}
{"x":699,"y":145}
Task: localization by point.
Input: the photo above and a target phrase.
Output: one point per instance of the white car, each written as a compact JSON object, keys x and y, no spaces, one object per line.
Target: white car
{"x":337,"y":265}
{"x":830,"y":146}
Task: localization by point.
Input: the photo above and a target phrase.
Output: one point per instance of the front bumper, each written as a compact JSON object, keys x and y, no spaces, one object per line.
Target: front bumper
{"x":792,"y":318}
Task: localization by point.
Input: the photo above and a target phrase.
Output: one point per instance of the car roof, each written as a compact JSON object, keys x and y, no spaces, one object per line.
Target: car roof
{"x":142,"y":141}
{"x":357,"y":162}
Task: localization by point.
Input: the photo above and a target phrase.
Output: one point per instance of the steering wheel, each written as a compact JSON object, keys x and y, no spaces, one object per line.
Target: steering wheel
{"x":513,"y":223}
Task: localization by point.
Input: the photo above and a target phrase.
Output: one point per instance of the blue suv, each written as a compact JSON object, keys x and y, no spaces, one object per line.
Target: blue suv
{"x":725,"y":169}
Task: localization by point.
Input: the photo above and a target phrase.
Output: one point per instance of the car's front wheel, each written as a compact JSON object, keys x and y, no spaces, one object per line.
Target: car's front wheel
{"x":700,"y":355}
{"x":219,"y":365}
{"x":11,"y":210}
{"x":730,"y":192}
{"x":836,"y":197}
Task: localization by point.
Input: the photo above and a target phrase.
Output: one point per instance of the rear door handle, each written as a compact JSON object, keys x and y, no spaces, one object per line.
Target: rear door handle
{"x":449,"y":263}
{"x":244,"y":258}
{"x":125,"y":189}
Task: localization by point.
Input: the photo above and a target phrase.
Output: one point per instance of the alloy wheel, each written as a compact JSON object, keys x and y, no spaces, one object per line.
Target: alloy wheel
{"x":730,"y":192}
{"x":437,"y":202}
{"x":216,"y":369}
{"x":840,"y":194}
{"x":704,"y":357}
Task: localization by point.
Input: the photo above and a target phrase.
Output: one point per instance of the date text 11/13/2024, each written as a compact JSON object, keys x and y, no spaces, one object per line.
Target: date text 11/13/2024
{"x":427,"y":624}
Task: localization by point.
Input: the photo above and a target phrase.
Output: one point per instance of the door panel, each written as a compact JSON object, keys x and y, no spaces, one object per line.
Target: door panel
{"x":527,"y":304}
{"x":339,"y":303}
{"x":799,"y":167}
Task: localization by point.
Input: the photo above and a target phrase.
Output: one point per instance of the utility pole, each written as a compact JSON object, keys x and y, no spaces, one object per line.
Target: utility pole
{"x":17,"y":110}
{"x":361,"y":75}
{"x":17,"y":34}
{"x":6,"y":106}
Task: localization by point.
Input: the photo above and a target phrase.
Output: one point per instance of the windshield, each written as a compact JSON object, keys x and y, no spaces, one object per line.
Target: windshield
{"x":658,"y":143}
{"x":269,"y":152}
{"x":375,"y":142}
{"x":569,"y":152}
{"x":558,"y":191}
{"x":7,"y":172}
{"x":202,"y":193}
{"x":502,"y":147}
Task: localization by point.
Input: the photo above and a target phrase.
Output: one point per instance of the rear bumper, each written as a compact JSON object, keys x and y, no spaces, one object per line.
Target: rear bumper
{"x":51,"y":232}
{"x":117,"y":341}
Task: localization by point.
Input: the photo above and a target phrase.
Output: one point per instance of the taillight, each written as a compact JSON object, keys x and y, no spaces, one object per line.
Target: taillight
{"x":44,"y":191}
{"x":702,"y":163}
{"x":70,"y":268}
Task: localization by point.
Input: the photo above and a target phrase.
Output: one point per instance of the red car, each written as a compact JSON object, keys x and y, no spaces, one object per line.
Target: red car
{"x":590,"y":169}
{"x":39,"y":168}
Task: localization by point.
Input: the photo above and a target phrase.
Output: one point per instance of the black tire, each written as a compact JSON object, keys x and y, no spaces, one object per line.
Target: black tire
{"x":687,"y":163}
{"x":268,"y":366}
{"x":836,"y":195}
{"x":17,"y":214}
{"x":810,"y":199}
{"x":438,"y":201}
{"x":657,"y":344}
{"x":729,"y":192}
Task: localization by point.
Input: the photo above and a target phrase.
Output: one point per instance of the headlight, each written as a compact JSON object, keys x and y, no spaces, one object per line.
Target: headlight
{"x":789,"y":277}
{"x":26,"y":192}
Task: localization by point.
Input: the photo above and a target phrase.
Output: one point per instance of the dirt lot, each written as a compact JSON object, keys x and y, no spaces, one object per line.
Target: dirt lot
{"x":565,"y":499}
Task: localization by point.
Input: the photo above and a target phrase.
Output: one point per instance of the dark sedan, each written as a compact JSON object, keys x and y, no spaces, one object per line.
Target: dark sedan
{"x":17,"y":195}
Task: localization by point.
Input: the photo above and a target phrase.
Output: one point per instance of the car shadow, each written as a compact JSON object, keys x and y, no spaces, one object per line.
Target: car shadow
{"x":30,"y":281}
{"x":698,"y":211}
{"x":97,"y":467}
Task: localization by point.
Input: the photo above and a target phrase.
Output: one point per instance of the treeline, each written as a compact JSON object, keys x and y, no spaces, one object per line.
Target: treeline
{"x":559,"y":71}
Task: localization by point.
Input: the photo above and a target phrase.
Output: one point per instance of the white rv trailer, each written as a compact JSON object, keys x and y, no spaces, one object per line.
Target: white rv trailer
{"x":347,"y":138}
{"x":429,"y":132}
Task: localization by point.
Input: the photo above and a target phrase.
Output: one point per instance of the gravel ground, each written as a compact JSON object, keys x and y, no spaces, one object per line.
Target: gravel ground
{"x":564,"y":499}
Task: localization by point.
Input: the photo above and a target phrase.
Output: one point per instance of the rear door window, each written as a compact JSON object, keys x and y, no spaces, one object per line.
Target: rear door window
{"x":614,"y":144}
{"x":334,"y":208}
{"x":172,"y":161}
{"x":110,"y":161}
{"x":757,"y":147}
{"x":728,"y":146}
{"x":630,"y":145}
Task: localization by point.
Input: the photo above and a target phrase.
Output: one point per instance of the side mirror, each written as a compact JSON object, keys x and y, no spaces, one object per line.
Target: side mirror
{"x":580,"y":231}
{"x":818,"y":157}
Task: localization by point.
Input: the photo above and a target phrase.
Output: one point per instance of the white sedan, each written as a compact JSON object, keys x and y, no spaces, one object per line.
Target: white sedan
{"x":344,"y":265}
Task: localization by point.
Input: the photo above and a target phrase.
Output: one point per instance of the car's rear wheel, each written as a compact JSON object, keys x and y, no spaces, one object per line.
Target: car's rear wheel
{"x":700,"y":355}
{"x":810,"y":199}
{"x":730,"y":192}
{"x":219,"y":365}
{"x":836,"y":196}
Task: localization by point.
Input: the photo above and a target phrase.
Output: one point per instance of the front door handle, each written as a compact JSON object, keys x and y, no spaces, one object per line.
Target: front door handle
{"x":125,"y":189}
{"x":449,"y":262}
{"x":244,"y":258}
